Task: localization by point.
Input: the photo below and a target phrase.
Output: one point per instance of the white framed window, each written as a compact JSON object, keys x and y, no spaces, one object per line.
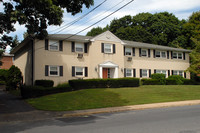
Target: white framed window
{"x":144,"y":52}
{"x":79,"y":47}
{"x":175,"y":72}
{"x":162,"y":72}
{"x":145,"y":73}
{"x":79,"y":71}
{"x":107,"y":48}
{"x":177,"y":55}
{"x":53,"y":45}
{"x":53,"y":70}
{"x":160,"y":54}
{"x":129,"y":73}
{"x":128,"y":51}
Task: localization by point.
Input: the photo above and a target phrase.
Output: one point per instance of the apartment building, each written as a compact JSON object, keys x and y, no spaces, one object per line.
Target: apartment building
{"x":61,"y":57}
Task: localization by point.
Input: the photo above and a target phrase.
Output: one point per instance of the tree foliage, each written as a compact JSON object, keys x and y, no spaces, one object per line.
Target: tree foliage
{"x":160,"y":28}
{"x":36,"y":15}
{"x":97,"y":31}
{"x":195,"y":58}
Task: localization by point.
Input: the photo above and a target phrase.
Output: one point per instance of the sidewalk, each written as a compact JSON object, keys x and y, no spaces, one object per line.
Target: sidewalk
{"x":129,"y":108}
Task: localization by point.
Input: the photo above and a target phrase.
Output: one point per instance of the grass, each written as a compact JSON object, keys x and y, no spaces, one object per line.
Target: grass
{"x":100,"y":98}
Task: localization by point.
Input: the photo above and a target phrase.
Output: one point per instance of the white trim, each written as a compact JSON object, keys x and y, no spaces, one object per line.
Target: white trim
{"x":178,"y":72}
{"x":146,"y":53}
{"x":108,"y":64}
{"x":83,"y":71}
{"x":80,"y":44}
{"x":129,"y":49}
{"x":160,"y":53}
{"x":131,"y":72}
{"x":58,"y":70}
{"x":53,"y":42}
{"x":111,"y":48}
{"x":177,"y":55}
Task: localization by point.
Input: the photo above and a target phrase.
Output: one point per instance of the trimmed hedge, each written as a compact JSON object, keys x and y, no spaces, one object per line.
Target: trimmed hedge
{"x":189,"y":82}
{"x":150,"y":82}
{"x":37,"y":91}
{"x":171,"y":82}
{"x":179,"y":79}
{"x":104,"y":83}
{"x":44,"y":83}
{"x":160,"y":77}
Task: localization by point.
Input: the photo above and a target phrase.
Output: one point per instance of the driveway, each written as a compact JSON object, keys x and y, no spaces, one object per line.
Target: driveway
{"x":14,"y":109}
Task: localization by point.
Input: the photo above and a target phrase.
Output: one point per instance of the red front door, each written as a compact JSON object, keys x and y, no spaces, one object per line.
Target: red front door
{"x":105,"y":73}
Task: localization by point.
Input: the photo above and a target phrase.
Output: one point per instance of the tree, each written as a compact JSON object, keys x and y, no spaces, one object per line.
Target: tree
{"x":97,"y":31}
{"x":195,"y":58}
{"x":36,"y":15}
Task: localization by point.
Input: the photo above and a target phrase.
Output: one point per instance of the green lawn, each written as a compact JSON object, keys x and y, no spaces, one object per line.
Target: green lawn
{"x":99,"y":98}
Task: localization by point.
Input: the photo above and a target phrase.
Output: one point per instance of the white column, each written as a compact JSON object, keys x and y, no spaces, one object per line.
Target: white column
{"x":100,"y":72}
{"x":116,"y":72}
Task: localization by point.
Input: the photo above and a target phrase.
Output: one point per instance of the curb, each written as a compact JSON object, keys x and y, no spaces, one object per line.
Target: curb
{"x":129,"y":108}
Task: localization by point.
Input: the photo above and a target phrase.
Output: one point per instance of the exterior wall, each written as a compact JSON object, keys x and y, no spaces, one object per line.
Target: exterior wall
{"x":7,"y":62}
{"x":156,"y":63}
{"x":23,"y":60}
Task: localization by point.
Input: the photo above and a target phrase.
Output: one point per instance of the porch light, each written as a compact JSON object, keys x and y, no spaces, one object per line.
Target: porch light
{"x":96,"y":69}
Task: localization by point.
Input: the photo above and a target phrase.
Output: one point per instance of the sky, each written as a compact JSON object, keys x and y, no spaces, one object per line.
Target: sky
{"x":180,"y":8}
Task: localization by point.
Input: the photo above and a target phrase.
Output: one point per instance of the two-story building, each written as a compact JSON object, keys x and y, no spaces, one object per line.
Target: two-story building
{"x":64,"y":57}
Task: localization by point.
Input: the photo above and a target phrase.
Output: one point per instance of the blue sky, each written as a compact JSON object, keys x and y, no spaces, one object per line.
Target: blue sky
{"x":180,"y":8}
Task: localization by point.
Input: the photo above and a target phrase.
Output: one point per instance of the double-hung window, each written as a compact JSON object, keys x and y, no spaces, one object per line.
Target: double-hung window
{"x":144,"y":73}
{"x":79,"y":71}
{"x":129,"y":73}
{"x":160,"y":54}
{"x":53,"y":45}
{"x":53,"y":70}
{"x":128,"y":51}
{"x":79,"y":47}
{"x":107,"y":48}
{"x":177,"y":55}
{"x":162,"y":72}
{"x":175,"y":72}
{"x":144,"y":52}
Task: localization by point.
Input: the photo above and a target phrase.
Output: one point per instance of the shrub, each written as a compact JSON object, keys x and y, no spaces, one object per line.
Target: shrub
{"x":3,"y":73}
{"x":179,"y":79}
{"x":150,"y":82}
{"x":188,"y":82}
{"x":160,"y":77}
{"x":13,"y":78}
{"x":37,"y":91}
{"x":104,"y":83}
{"x":2,"y":82}
{"x":171,"y":82}
{"x":44,"y":83}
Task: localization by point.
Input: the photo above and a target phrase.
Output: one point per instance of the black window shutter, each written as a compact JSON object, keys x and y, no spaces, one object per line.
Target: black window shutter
{"x":168,"y":73}
{"x":140,"y":73}
{"x":73,"y":46}
{"x":149,"y":53}
{"x":124,"y":50}
{"x":46,"y":44}
{"x":185,"y":75}
{"x":171,"y":55}
{"x":73,"y":71}
{"x":134,"y":73}
{"x":85,"y":47}
{"x":46,"y":70}
{"x":184,"y":55}
{"x":140,"y":52}
{"x":61,"y":45}
{"x":167,"y":54}
{"x":133,"y":50}
{"x":154,"y":70}
{"x":86,"y":71}
{"x":61,"y":70}
{"x":149,"y":72}
{"x":124,"y":72}
{"x":102,"y":47}
{"x":172,"y":72}
{"x":154,"y":53}
{"x":114,"y":49}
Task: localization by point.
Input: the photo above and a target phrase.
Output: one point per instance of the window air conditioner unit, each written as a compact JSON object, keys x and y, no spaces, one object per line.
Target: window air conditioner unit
{"x":80,"y":56}
{"x":129,"y":59}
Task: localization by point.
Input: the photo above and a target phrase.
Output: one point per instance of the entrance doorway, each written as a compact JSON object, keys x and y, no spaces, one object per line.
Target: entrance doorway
{"x":106,"y":73}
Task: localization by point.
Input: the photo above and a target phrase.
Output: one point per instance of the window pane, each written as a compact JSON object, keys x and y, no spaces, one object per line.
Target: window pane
{"x":163,"y":54}
{"x":175,"y":72}
{"x":128,"y":51}
{"x":181,"y":73}
{"x":79,"y":71}
{"x":180,"y":55}
{"x":53,"y":73}
{"x":128,"y":72}
{"x":53,"y":45}
{"x":79,"y":47}
{"x":107,"y":48}
{"x":157,"y":53}
{"x":53,"y":70}
{"x":158,"y":71}
{"x":144,"y":52}
{"x":144,"y":73}
{"x":174,"y":55}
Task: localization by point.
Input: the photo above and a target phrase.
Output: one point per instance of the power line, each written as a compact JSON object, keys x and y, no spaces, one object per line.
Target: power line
{"x":76,"y":20}
{"x":95,"y":22}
